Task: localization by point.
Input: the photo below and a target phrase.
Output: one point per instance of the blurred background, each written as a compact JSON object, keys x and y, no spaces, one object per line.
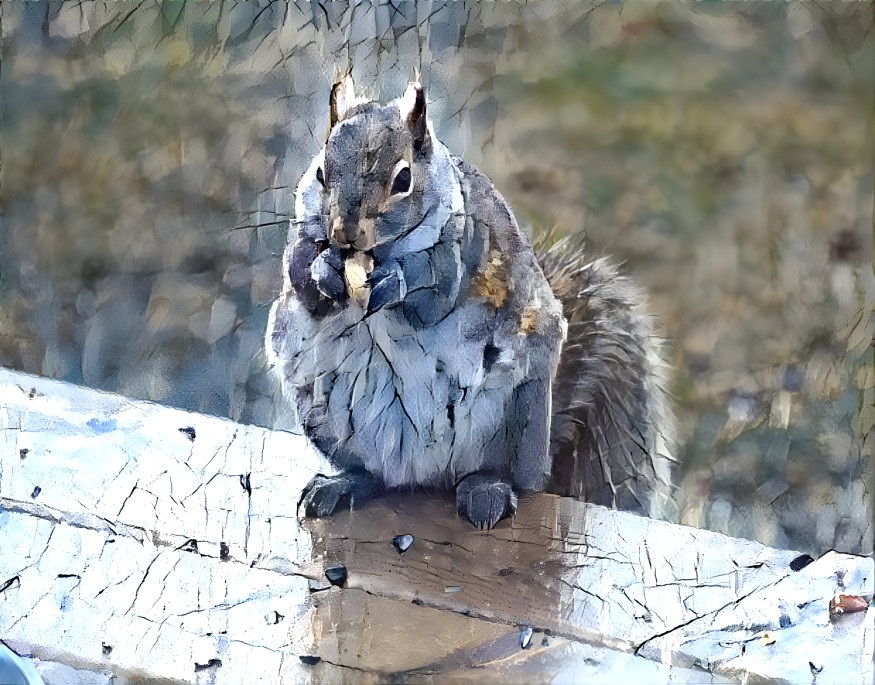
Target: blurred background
{"x":722,"y":152}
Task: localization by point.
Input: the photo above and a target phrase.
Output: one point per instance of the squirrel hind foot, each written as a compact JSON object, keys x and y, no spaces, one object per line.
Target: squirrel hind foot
{"x":324,"y":494}
{"x":485,"y":500}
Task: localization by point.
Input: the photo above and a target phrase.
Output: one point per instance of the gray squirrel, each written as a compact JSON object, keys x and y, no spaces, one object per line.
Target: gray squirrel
{"x":424,"y":344}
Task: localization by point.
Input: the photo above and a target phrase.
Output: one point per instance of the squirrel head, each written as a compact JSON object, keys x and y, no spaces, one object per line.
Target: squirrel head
{"x":375,"y":167}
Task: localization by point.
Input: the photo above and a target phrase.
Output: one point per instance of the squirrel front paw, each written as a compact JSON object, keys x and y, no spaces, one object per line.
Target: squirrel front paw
{"x":485,"y":500}
{"x":387,"y":287}
{"x":327,"y":273}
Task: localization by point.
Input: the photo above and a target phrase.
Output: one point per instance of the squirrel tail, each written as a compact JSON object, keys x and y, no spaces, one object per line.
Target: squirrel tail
{"x":612,"y":428}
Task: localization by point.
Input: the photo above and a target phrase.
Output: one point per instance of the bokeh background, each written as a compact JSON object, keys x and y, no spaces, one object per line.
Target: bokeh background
{"x":721,"y":151}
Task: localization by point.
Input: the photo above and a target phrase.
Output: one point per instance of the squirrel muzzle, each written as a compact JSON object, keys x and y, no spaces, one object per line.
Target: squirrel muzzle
{"x":355,"y":232}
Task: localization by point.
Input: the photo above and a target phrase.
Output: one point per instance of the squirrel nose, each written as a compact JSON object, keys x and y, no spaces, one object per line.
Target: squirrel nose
{"x":343,"y":233}
{"x":354,"y":232}
{"x":338,"y":235}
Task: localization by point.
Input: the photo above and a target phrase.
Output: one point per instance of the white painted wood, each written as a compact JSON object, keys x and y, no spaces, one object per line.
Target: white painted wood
{"x":101,"y":497}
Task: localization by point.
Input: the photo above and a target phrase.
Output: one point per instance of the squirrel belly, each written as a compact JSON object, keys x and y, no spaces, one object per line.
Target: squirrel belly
{"x":422,"y":344}
{"x":415,"y":406}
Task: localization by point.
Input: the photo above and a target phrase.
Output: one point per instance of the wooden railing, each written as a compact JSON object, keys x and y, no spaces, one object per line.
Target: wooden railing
{"x":140,"y":540}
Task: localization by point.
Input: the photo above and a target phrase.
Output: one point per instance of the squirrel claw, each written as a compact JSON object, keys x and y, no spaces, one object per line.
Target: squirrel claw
{"x":485,"y":501}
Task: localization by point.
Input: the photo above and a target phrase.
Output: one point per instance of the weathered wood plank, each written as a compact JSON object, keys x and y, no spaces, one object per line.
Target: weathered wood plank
{"x":99,"y":599}
{"x":674,"y":594}
{"x":101,"y":460}
{"x":151,"y":541}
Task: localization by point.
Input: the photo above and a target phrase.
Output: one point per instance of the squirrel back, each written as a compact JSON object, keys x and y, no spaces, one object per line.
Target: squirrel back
{"x":423,"y":344}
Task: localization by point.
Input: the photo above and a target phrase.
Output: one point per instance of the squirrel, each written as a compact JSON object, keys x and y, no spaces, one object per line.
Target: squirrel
{"x":425,"y":344}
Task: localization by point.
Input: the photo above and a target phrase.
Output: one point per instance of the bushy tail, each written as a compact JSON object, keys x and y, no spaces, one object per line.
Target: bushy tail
{"x":612,"y":428}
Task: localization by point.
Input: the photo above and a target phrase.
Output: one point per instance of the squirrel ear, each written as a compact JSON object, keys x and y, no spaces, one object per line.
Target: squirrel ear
{"x":341,"y":100}
{"x":412,"y":108}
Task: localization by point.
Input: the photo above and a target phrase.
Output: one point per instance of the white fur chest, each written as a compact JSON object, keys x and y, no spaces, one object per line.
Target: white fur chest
{"x":415,"y":406}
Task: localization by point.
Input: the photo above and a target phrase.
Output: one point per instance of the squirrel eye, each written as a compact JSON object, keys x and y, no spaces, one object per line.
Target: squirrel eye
{"x":320,"y":176}
{"x":401,"y":184}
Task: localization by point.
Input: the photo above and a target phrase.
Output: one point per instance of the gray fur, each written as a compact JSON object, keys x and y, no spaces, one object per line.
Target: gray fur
{"x":611,"y":429}
{"x":441,"y":367}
